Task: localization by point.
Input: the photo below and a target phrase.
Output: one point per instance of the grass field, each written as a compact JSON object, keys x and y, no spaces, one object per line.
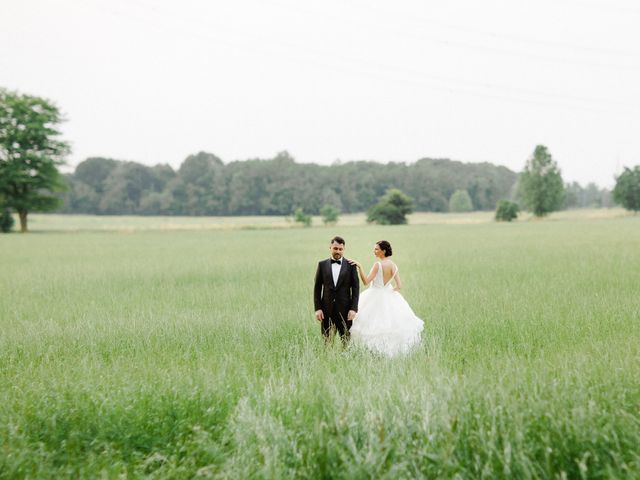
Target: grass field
{"x":188,"y":352}
{"x":128,"y":224}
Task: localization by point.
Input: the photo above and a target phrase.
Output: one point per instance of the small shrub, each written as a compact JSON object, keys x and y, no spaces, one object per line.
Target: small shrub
{"x":460,"y":202}
{"x":6,"y":221}
{"x":391,"y":209}
{"x":329,"y":214}
{"x":506,"y":211}
{"x":300,"y":217}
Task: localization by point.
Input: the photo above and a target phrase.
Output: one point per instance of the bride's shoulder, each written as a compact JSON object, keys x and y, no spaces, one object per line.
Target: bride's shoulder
{"x":392,"y":265}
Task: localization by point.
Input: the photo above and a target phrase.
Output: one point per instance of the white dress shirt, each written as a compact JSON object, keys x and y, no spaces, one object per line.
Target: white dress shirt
{"x":335,"y":270}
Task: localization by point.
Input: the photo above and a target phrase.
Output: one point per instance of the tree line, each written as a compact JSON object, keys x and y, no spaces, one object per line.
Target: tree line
{"x":31,"y":152}
{"x":204,"y":185}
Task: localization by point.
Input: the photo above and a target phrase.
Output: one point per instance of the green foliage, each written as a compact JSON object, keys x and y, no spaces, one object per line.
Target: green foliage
{"x":590,"y":196}
{"x":127,"y":355}
{"x":204,"y":185}
{"x":6,"y":220}
{"x":627,"y":189}
{"x":329,"y":214}
{"x":94,"y":172}
{"x":126,"y":187}
{"x":300,"y":217}
{"x":460,"y":202}
{"x":391,"y":209}
{"x":506,"y":211}
{"x":30,"y":154}
{"x":541,"y":186}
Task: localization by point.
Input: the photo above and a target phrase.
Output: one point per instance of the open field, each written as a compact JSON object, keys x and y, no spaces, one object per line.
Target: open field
{"x":119,"y":223}
{"x":163,"y":352}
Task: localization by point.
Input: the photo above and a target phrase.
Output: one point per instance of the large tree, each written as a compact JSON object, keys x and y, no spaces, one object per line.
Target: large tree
{"x":541,"y":185}
{"x":627,"y":189}
{"x":30,"y":153}
{"x":94,"y":172}
{"x":202,"y":182}
{"x":126,"y":186}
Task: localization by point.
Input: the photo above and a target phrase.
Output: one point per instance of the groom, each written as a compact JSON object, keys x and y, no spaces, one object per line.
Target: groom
{"x":335,"y":294}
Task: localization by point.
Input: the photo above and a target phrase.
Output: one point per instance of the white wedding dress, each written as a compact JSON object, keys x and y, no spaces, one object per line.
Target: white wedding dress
{"x":385,"y":322}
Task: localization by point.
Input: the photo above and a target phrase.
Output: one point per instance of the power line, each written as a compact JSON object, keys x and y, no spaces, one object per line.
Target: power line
{"x":453,"y":43}
{"x":463,"y":45}
{"x":423,"y":78}
{"x":440,"y":78}
{"x":608,"y":7}
{"x":515,"y":38}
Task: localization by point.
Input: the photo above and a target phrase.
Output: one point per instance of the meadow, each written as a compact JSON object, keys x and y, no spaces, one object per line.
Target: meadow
{"x":133,"y":349}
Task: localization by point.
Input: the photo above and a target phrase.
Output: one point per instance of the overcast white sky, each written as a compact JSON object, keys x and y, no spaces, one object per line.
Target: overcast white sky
{"x":155,"y":80}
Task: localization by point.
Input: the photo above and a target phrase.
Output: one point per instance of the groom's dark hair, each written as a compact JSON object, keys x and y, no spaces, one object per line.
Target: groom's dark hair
{"x":339,"y":240}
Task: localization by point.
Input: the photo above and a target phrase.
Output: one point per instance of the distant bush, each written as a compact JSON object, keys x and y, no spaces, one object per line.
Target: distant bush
{"x":391,"y":209}
{"x":506,"y":211}
{"x":300,"y":217}
{"x":6,"y":221}
{"x":329,"y":214}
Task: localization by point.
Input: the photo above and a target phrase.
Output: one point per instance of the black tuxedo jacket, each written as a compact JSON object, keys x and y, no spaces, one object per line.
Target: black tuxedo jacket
{"x":336,"y":301}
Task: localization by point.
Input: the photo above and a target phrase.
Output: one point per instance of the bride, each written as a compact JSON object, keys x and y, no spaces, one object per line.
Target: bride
{"x":385,"y":322}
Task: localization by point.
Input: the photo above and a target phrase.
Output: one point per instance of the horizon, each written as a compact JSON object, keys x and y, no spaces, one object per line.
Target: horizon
{"x":67,"y":169}
{"x":151,"y":81}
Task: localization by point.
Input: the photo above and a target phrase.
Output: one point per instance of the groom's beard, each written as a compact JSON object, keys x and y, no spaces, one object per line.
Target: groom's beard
{"x":337,"y":256}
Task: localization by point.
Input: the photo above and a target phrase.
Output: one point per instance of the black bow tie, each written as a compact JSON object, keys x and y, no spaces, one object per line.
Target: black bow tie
{"x":339,"y":262}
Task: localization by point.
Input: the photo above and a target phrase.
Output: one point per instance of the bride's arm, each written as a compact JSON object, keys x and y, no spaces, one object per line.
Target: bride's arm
{"x":398,"y":281}
{"x":372,"y":274}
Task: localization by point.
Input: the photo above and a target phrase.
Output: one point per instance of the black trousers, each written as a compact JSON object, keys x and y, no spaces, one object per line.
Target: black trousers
{"x":338,"y":321}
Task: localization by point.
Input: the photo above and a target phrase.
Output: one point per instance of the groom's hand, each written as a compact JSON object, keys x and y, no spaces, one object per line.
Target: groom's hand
{"x":319,"y":315}
{"x":351,"y":315}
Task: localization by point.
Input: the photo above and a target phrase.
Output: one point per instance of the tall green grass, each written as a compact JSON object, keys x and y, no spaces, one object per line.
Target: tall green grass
{"x":183,"y":354}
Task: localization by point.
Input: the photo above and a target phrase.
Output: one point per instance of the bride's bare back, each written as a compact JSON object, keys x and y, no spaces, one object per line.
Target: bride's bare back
{"x":389,"y":270}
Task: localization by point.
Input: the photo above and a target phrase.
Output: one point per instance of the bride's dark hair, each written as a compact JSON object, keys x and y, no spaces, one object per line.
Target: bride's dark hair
{"x":385,"y":247}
